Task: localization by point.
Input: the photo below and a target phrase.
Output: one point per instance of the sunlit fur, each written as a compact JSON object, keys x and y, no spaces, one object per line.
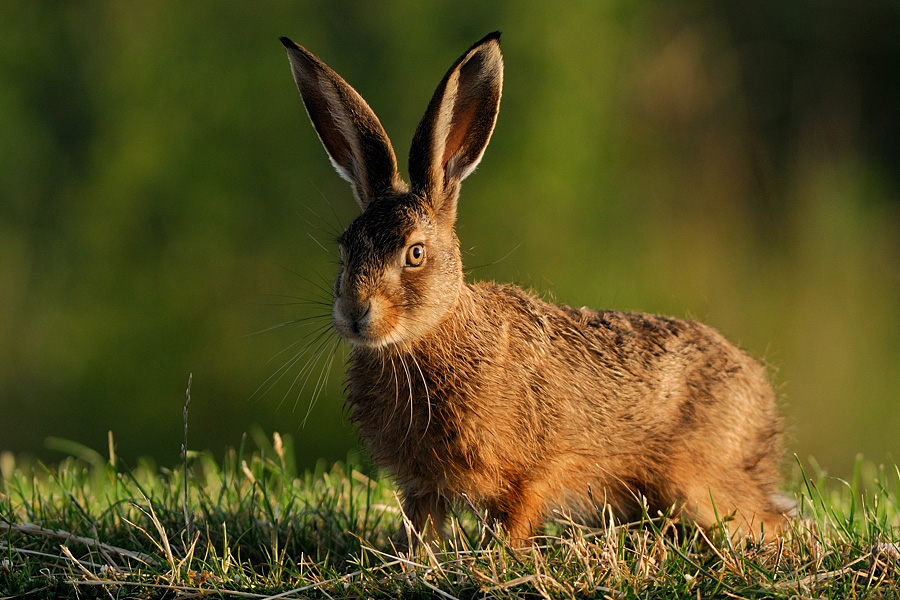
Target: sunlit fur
{"x":485,"y":392}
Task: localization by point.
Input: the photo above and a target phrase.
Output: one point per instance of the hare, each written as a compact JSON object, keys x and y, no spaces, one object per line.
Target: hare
{"x":482,"y":391}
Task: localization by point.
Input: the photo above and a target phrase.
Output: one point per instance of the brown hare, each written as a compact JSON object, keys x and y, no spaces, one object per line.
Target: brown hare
{"x":483,"y":391}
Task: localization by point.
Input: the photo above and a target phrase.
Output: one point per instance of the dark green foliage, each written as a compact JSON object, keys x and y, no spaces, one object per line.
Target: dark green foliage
{"x":162,"y":196}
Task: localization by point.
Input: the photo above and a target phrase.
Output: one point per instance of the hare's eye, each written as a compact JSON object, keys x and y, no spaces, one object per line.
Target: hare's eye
{"x":415,"y":255}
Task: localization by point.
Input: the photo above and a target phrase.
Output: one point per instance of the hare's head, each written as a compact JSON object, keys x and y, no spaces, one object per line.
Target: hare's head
{"x":401,"y":271}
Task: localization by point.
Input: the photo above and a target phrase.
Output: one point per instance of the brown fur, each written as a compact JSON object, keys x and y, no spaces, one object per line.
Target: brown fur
{"x":485,"y":391}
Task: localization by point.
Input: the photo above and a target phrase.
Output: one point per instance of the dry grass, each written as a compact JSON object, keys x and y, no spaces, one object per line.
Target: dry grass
{"x":90,"y":527}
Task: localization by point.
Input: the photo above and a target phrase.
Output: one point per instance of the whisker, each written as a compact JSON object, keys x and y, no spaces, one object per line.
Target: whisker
{"x":330,"y":229}
{"x":321,"y":380}
{"x":307,"y":369}
{"x":409,"y":399}
{"x":326,"y":290}
{"x":286,"y":323}
{"x":321,"y":303}
{"x":299,"y":300}
{"x":427,"y":395}
{"x":396,"y":388}
{"x":319,"y":244}
{"x":284,"y":368}
{"x":318,"y":331}
{"x":334,"y":230}
{"x":494,"y":262}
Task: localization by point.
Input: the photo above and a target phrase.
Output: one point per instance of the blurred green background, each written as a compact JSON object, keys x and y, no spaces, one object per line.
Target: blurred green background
{"x":163,"y":197}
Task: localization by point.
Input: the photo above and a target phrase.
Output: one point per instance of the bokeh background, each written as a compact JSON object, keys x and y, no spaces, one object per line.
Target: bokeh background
{"x":163,"y":198}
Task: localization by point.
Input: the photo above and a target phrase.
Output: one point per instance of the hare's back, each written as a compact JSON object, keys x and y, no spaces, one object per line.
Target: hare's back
{"x":617,"y":353}
{"x":674,"y":371}
{"x":654,"y":341}
{"x":636,"y":356}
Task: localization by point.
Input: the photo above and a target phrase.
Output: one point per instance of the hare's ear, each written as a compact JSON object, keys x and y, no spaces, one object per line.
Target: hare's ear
{"x":458,"y":122}
{"x":352,"y":135}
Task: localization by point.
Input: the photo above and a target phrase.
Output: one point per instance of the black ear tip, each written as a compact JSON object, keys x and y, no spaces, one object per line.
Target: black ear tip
{"x":288,"y":42}
{"x":494,"y":37}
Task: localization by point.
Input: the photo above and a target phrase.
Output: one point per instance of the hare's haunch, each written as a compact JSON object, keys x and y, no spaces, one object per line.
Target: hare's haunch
{"x":483,"y":390}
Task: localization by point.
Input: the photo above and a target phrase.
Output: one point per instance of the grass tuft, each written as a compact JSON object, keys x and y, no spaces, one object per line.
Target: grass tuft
{"x":250,"y":526}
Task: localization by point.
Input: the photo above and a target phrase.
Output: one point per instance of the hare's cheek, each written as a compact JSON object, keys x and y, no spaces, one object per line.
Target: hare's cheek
{"x":385,"y":319}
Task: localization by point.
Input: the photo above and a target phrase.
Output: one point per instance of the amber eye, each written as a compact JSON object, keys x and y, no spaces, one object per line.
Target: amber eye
{"x":415,"y":255}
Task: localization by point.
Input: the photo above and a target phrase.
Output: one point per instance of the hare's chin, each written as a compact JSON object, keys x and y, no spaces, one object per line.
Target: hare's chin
{"x":365,"y":339}
{"x":375,"y":343}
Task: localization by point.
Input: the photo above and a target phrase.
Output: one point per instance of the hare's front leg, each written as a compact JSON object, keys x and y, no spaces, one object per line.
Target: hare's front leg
{"x":427,"y":513}
{"x":520,"y":513}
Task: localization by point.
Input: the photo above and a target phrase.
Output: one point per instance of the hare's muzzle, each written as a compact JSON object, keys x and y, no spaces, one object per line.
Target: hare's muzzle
{"x":351,"y":318}
{"x":359,"y":317}
{"x":360,"y":321}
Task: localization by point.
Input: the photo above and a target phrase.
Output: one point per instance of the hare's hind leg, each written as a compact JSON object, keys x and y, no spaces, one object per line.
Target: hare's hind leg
{"x":741,"y":509}
{"x":740,"y":494}
{"x":724,"y":464}
{"x":762,"y":524}
{"x":773,"y":520}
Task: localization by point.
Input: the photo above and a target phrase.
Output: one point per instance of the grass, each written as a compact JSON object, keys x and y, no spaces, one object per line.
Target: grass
{"x":251,"y":527}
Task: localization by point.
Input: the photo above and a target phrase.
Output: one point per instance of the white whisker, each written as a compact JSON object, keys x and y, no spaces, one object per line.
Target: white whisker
{"x":321,"y":380}
{"x":281,"y":371}
{"x":409,"y":399}
{"x":396,"y":389}
{"x":307,"y":371}
{"x":424,"y":385}
{"x":300,"y":321}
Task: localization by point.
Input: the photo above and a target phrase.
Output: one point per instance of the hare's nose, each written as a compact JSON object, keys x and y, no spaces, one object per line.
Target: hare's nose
{"x":359,"y":318}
